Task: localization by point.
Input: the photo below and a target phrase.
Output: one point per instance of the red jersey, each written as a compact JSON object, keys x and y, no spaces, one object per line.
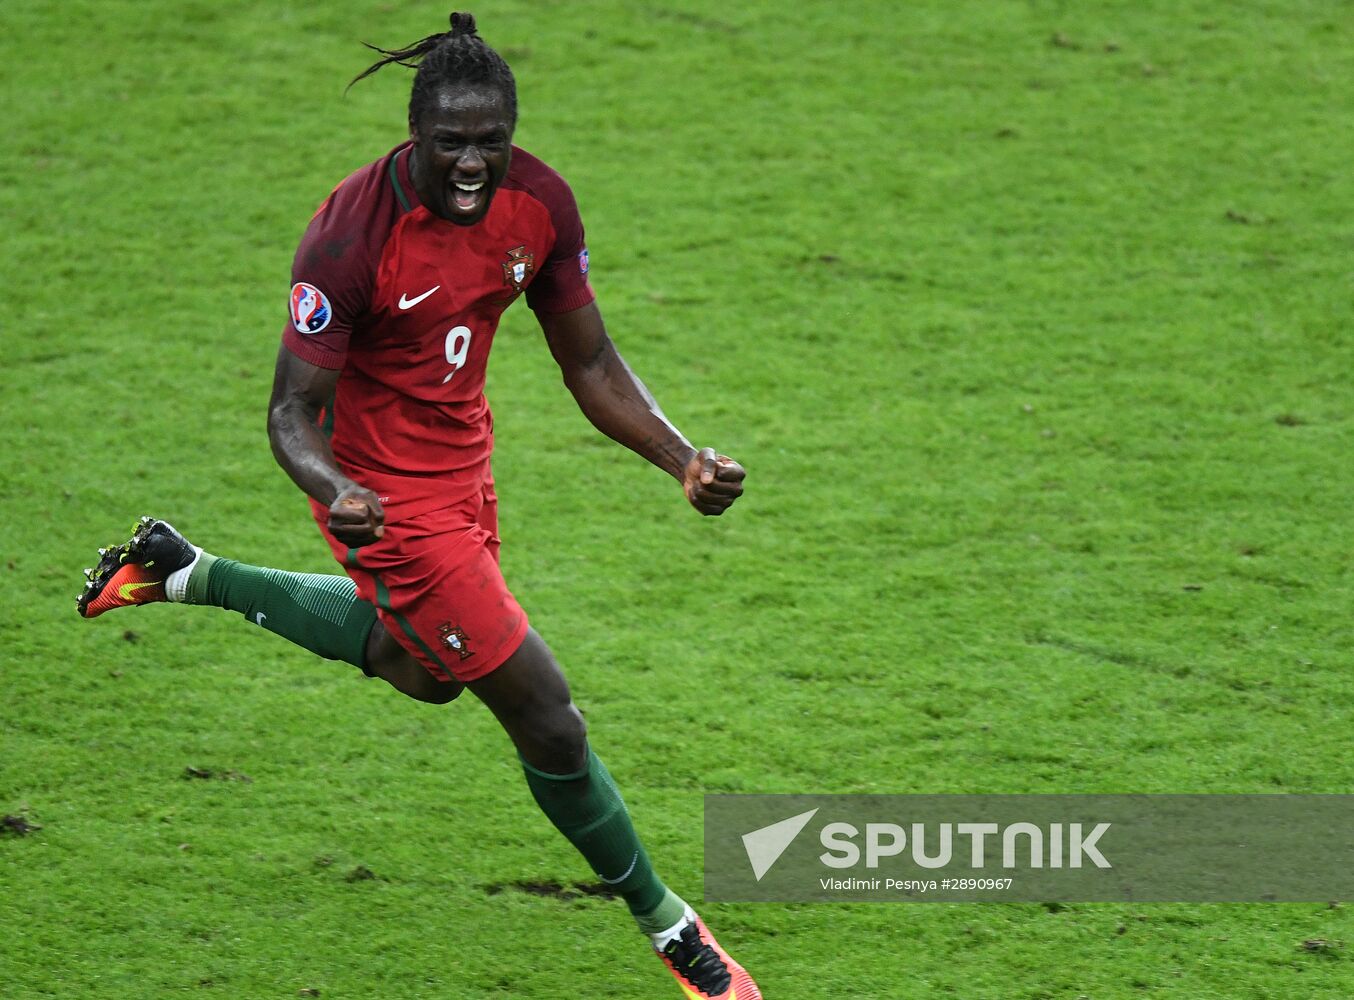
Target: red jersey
{"x":405,"y":304}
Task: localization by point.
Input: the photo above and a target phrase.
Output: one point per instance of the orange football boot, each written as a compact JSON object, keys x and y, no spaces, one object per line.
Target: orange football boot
{"x":702,"y":968}
{"x":134,"y":572}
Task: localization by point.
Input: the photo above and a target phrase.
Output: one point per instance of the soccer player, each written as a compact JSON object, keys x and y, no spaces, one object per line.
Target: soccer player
{"x":378,"y":414}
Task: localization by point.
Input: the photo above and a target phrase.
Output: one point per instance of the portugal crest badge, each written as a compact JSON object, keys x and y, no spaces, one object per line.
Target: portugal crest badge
{"x":518,"y":268}
{"x":454,"y":638}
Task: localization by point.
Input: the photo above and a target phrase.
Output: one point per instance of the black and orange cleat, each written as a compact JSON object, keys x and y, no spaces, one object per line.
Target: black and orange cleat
{"x":702,"y":968}
{"x":135,"y":572}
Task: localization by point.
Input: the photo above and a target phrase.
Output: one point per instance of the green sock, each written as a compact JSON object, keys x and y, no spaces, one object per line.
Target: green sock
{"x":320,"y":613}
{"x":587,"y":808}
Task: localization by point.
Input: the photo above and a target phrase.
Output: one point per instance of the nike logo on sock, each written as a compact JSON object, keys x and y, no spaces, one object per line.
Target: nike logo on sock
{"x":615,"y":881}
{"x":408,"y":303}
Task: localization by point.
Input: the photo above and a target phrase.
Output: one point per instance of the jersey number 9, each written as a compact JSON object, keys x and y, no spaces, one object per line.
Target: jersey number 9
{"x":458,"y":346}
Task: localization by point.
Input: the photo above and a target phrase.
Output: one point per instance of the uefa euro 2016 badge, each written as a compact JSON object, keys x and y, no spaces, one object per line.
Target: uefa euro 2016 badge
{"x":310,"y":309}
{"x":518,"y":268}
{"x":454,"y":639}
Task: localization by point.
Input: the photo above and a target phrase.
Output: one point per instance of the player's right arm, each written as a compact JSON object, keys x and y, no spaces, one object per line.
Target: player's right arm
{"x":300,"y":391}
{"x":332,"y":275}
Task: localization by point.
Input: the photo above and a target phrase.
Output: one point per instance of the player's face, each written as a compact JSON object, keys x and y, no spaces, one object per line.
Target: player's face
{"x":462,"y":144}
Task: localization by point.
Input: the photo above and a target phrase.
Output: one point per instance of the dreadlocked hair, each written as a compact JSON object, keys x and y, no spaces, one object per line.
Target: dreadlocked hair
{"x":455,"y":58}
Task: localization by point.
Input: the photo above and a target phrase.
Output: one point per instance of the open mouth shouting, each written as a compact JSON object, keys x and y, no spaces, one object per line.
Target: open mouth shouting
{"x":469,"y":198}
{"x":462,"y":147}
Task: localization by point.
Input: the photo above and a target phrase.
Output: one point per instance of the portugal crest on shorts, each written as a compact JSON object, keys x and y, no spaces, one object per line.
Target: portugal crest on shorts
{"x":454,"y":639}
{"x":518,"y":268}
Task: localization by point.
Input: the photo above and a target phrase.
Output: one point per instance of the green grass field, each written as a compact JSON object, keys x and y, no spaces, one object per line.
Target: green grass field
{"x":1030,"y":321}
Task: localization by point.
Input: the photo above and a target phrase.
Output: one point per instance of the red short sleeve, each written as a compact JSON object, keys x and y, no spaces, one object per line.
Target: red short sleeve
{"x":561,"y":285}
{"x":334,"y":269}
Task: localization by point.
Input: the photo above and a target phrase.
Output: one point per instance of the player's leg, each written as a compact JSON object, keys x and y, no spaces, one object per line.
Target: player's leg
{"x":442,"y":597}
{"x":391,"y":662}
{"x":321,"y":613}
{"x":530,"y":698}
{"x":437,"y":580}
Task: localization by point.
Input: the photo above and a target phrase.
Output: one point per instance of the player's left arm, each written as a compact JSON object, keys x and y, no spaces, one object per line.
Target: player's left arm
{"x":621,"y":407}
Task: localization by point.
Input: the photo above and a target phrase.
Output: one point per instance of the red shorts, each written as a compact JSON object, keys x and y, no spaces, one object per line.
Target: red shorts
{"x":435,"y":581}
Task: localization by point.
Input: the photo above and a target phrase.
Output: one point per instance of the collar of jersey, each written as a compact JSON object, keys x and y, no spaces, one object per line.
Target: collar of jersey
{"x":406,"y":202}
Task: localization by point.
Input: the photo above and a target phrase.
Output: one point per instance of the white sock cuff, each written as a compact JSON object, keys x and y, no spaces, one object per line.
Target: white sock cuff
{"x":663,"y":938}
{"x":176,"y":583}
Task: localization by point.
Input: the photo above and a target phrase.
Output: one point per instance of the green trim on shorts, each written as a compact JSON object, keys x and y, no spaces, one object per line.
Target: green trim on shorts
{"x":383,"y":602}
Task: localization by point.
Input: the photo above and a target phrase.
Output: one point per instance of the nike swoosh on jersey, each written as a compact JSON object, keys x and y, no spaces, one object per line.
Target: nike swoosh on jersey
{"x":408,"y":303}
{"x":128,"y":589}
